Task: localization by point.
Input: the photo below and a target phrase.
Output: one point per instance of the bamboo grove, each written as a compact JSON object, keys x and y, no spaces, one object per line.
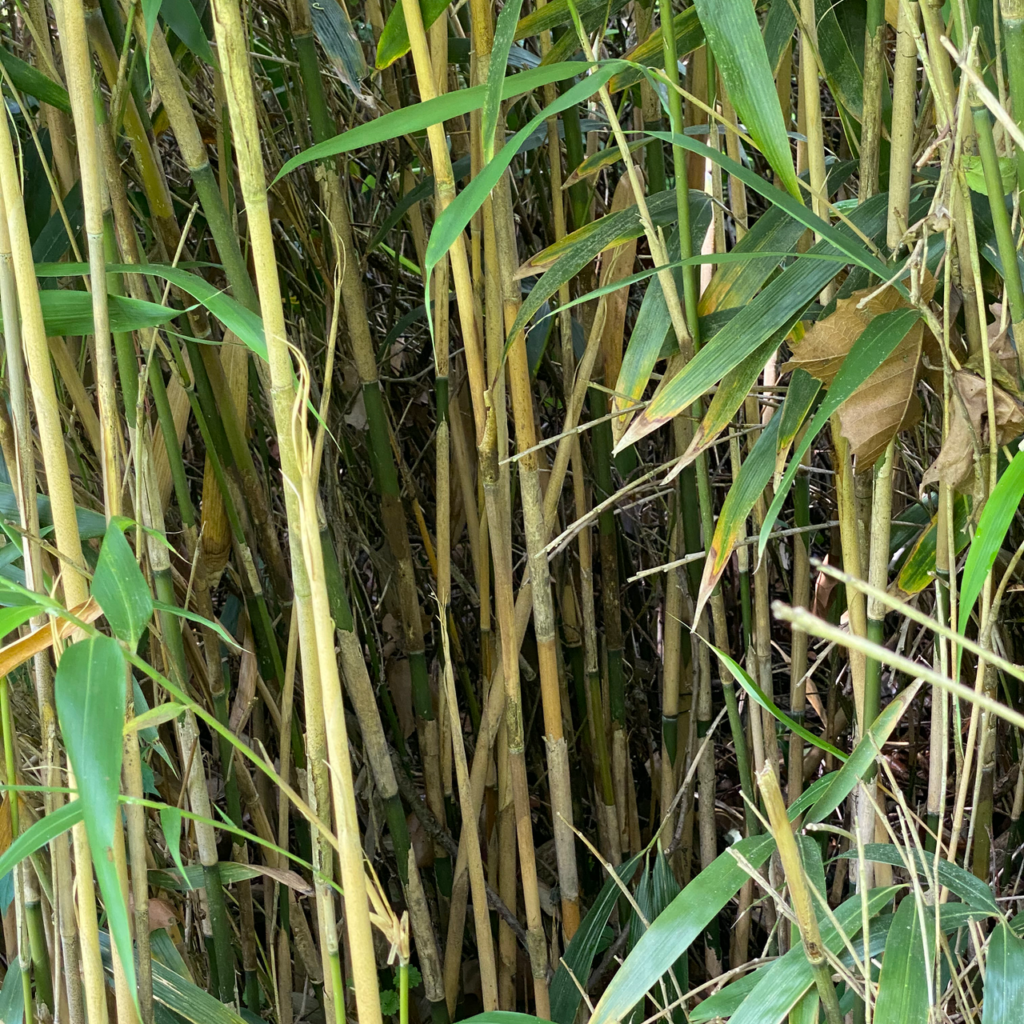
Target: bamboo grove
{"x":511,"y":509}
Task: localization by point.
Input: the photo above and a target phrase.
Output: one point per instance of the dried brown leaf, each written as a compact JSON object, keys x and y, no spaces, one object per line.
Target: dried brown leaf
{"x":969,"y":427}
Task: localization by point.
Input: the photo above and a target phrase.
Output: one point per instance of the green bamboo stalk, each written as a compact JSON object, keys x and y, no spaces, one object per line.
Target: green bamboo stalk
{"x":800,"y":894}
{"x":316,"y":646}
{"x":874,"y":84}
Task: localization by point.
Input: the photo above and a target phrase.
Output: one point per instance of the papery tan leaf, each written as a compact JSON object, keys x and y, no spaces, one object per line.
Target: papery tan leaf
{"x":884,"y":404}
{"x":968,"y":426}
{"x":879,"y":408}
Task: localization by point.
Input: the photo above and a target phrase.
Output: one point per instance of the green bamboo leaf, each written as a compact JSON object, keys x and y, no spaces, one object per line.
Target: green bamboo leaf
{"x":454,"y":219}
{"x":120,"y":588}
{"x":800,"y":395}
{"x":734,"y":36}
{"x":902,"y":984}
{"x":90,"y":696}
{"x":419,"y":116}
{"x":28,"y":79}
{"x":842,"y":240}
{"x":394,"y":39}
{"x":40,"y":834}
{"x":566,"y":259}
{"x":68,"y":313}
{"x":732,"y":393}
{"x":12,"y":618}
{"x":786,"y":296}
{"x":180,"y":16}
{"x":863,"y":756}
{"x":918,"y":570}
{"x":1004,"y":977}
{"x":755,"y":472}
{"x":178,"y":994}
{"x":651,"y":52}
{"x":90,"y":524}
{"x":773,"y":990}
{"x":496,"y":75}
{"x":149,"y":720}
{"x":971,"y":889}
{"x":995,"y":520}
{"x":674,"y":930}
{"x":187,"y":613}
{"x":170,"y":824}
{"x":241,"y":322}
{"x":869,"y":351}
{"x":52,"y":242}
{"x":779,"y":26}
{"x":12,"y":995}
{"x":579,"y":954}
{"x":760,"y":697}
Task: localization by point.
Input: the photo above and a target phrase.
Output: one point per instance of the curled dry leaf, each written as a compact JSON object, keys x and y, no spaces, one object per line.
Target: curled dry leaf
{"x":885,"y":403}
{"x":969,"y":428}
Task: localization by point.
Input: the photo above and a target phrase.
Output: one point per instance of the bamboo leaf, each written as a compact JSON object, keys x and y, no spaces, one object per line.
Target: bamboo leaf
{"x":672,"y":933}
{"x":170,"y":825}
{"x":180,"y":16}
{"x":781,"y":984}
{"x":1004,"y":977}
{"x":844,"y":241}
{"x":454,"y":219}
{"x":770,"y":706}
{"x":90,"y":695}
{"x":12,"y":995}
{"x":70,"y":313}
{"x":420,"y":116}
{"x":153,"y":717}
{"x":902,"y":984}
{"x":995,"y":520}
{"x":784,"y":297}
{"x":394,"y":39}
{"x":341,"y":42}
{"x":28,"y":79}
{"x":869,"y":351}
{"x":120,"y":588}
{"x":651,"y":52}
{"x":734,"y":36}
{"x":971,"y":889}
{"x":496,"y":74}
{"x":241,"y":322}
{"x":563,"y":261}
{"x":179,"y":994}
{"x":41,"y":833}
{"x":863,"y":756}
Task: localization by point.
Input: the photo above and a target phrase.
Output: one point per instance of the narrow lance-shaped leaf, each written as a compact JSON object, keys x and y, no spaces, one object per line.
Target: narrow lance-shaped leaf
{"x":420,"y":116}
{"x":853,"y":247}
{"x":869,"y":351}
{"x":120,"y":588}
{"x":1004,"y":977}
{"x":995,"y":520}
{"x":732,"y":32}
{"x":760,"y":697}
{"x":683,"y":920}
{"x":971,"y":889}
{"x":787,"y":295}
{"x":453,"y":221}
{"x":90,"y":695}
{"x":496,"y":74}
{"x":863,"y":756}
{"x":902,"y":984}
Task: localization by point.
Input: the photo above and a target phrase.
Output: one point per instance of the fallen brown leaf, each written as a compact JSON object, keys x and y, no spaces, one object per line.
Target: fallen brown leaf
{"x":885,"y":403}
{"x":968,"y":426}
